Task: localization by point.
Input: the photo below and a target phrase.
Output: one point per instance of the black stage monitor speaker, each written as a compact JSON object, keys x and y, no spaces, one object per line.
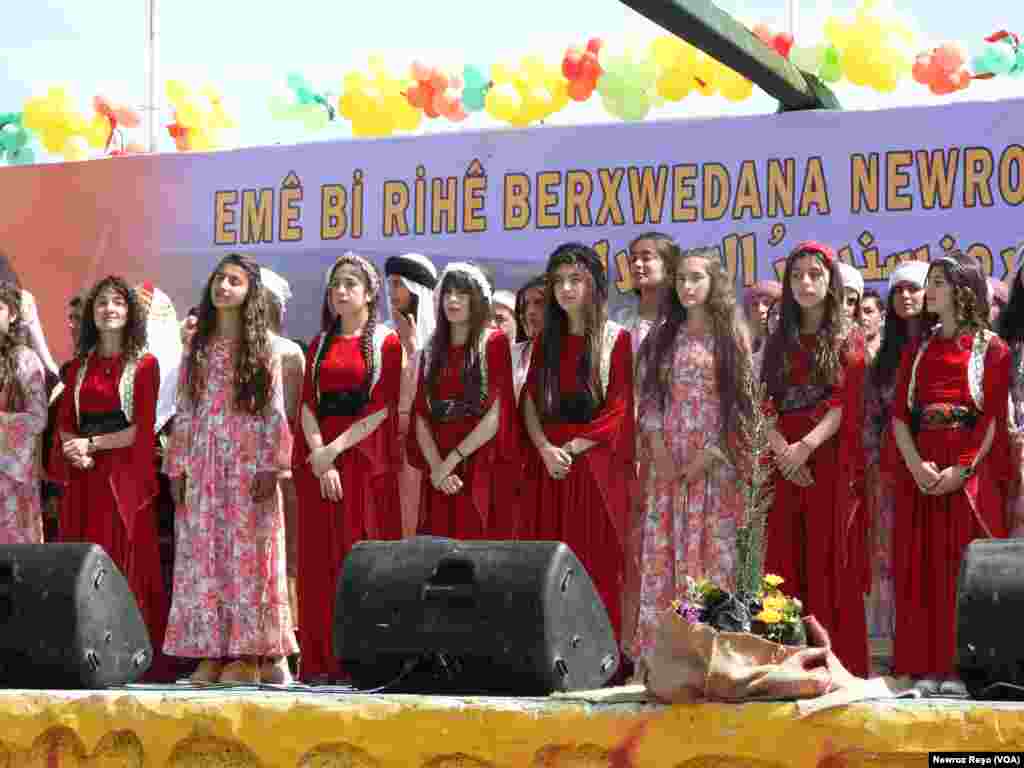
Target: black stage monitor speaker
{"x":435,"y":615}
{"x":989,"y":604}
{"x":68,"y":619}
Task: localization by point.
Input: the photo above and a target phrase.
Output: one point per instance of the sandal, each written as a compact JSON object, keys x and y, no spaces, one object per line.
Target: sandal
{"x":241,"y":672}
{"x":276,"y":672}
{"x":207,"y":672}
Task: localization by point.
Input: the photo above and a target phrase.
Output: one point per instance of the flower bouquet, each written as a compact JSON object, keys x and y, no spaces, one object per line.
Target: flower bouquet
{"x":750,"y":643}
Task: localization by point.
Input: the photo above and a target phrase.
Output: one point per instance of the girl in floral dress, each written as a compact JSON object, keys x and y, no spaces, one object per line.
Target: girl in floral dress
{"x":902,"y":327}
{"x":22,"y":420}
{"x":230,"y":442}
{"x":692,"y":373}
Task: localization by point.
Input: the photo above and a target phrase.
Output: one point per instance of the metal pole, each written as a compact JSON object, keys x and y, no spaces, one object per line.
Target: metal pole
{"x":793,"y":17}
{"x":152,"y":79}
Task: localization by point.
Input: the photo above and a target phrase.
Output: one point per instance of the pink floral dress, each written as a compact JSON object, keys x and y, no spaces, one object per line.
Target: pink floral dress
{"x":230,"y":588}
{"x":881,"y":501}
{"x":688,"y":529}
{"x":22,"y":420}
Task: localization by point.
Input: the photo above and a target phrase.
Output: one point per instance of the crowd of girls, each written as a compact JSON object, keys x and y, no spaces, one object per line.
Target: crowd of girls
{"x":482,"y":414}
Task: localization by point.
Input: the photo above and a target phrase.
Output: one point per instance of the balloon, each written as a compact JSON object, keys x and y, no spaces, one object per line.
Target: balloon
{"x":831,"y":66}
{"x":23,"y":156}
{"x":764,"y":33}
{"x":581,"y":90}
{"x":419,"y":70}
{"x":783,"y":44}
{"x":594,"y":45}
{"x":996,"y":59}
{"x":75,"y":148}
{"x":473,"y":78}
{"x":99,"y":131}
{"x":571,"y":64}
{"x":176,"y":91}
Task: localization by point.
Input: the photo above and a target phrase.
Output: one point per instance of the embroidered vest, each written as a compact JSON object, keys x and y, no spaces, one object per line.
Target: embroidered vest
{"x":125,"y":386}
{"x":975,"y":369}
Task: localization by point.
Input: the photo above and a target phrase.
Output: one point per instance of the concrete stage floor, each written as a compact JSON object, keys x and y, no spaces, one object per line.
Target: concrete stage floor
{"x":330,"y":728}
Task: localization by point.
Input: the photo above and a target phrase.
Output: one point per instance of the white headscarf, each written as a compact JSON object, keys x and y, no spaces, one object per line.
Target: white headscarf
{"x":852,"y":278}
{"x":506,"y":299}
{"x":163,"y":341}
{"x":913,"y":272}
{"x":471,"y":271}
{"x":426,"y":317}
{"x":277,"y":285}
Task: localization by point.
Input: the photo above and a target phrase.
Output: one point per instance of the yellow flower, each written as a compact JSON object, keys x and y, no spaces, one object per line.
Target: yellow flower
{"x":777,"y":603}
{"x":772,"y":580}
{"x":769,"y":616}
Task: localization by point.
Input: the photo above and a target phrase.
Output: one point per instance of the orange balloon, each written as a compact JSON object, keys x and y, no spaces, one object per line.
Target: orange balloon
{"x":580,"y":90}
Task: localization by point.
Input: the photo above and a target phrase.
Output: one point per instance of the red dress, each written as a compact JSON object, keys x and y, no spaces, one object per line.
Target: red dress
{"x":816,"y":537}
{"x":931,"y":532}
{"x":369,"y":508}
{"x":481,"y":510}
{"x":112,"y":503}
{"x":588,"y":509}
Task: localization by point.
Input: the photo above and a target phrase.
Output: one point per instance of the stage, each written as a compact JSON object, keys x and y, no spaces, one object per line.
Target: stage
{"x":243,"y":727}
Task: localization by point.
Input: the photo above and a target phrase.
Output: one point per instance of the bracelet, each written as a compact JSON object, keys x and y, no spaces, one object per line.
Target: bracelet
{"x":459,"y":453}
{"x":966,"y":473}
{"x":92,"y":446}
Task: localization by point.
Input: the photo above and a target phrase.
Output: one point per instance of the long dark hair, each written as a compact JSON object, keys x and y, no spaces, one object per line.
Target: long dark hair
{"x":827,"y":365}
{"x":330,"y":324}
{"x":970,"y":291}
{"x":732,"y":344}
{"x":134,"y":333}
{"x":1011,"y":319}
{"x":556,"y":328}
{"x":479,"y":314}
{"x":252,"y":368}
{"x":895,"y":334}
{"x":666,"y":247}
{"x":16,"y":336}
{"x":537,"y":281}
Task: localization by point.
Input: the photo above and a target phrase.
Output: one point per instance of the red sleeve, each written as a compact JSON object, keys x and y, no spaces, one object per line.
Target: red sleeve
{"x":66,"y":422}
{"x":413,"y":453}
{"x":615,"y":421}
{"x":501,"y":387}
{"x":308,"y":396}
{"x":854,"y":523}
{"x":381,"y":446}
{"x":996,"y":385}
{"x":899,"y":403}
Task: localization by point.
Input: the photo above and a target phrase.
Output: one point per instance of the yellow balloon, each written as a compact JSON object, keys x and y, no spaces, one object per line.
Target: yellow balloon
{"x":75,"y":148}
{"x":36,"y":114}
{"x":98,"y":132}
{"x":674,"y":86}
{"x":666,"y":50}
{"x":501,"y":73}
{"x":735,"y":87}
{"x":188,"y":114}
{"x":706,"y":71}
{"x":177,"y":92}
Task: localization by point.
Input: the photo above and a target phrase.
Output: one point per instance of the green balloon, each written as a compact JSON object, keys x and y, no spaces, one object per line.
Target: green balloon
{"x":831,"y":66}
{"x":305,"y":95}
{"x":23,"y":156}
{"x":635,"y":105}
{"x":473,"y":78}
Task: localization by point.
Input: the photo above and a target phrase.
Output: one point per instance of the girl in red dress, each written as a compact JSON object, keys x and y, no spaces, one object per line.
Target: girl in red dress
{"x":466,"y":434}
{"x":347,"y":456}
{"x":951,"y":398}
{"x":106,"y":452}
{"x":578,"y":409}
{"x":814,"y":375}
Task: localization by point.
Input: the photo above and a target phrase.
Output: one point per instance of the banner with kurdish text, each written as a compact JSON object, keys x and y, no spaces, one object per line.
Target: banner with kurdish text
{"x":879,"y":186}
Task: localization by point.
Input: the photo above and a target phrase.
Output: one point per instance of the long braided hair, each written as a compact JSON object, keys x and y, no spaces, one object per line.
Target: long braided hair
{"x":479,"y":314}
{"x":16,"y":336}
{"x":830,"y":339}
{"x":556,"y":328}
{"x":330,"y":323}
{"x":252,"y":368}
{"x":731,"y":339}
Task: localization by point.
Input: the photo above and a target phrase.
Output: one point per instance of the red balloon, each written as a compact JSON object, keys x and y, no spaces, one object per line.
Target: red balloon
{"x":414,"y":95}
{"x":782,"y":44}
{"x":571,"y":64}
{"x":580,"y":90}
{"x":427,"y":93}
{"x":594,"y":45}
{"x":922,"y":71}
{"x":590,"y":67}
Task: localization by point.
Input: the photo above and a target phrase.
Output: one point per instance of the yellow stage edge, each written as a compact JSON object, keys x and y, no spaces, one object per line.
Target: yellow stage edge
{"x":246,"y":729}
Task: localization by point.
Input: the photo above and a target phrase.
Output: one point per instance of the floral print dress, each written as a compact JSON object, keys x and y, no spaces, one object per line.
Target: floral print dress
{"x":22,"y":420}
{"x":230,"y":588}
{"x":880,"y":498}
{"x":689,"y":529}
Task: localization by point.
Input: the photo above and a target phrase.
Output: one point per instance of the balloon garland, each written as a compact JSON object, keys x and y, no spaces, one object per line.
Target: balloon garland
{"x":871,"y":48}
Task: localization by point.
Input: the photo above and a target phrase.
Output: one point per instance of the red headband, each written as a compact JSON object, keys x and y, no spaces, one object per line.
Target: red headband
{"x":813,"y":246}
